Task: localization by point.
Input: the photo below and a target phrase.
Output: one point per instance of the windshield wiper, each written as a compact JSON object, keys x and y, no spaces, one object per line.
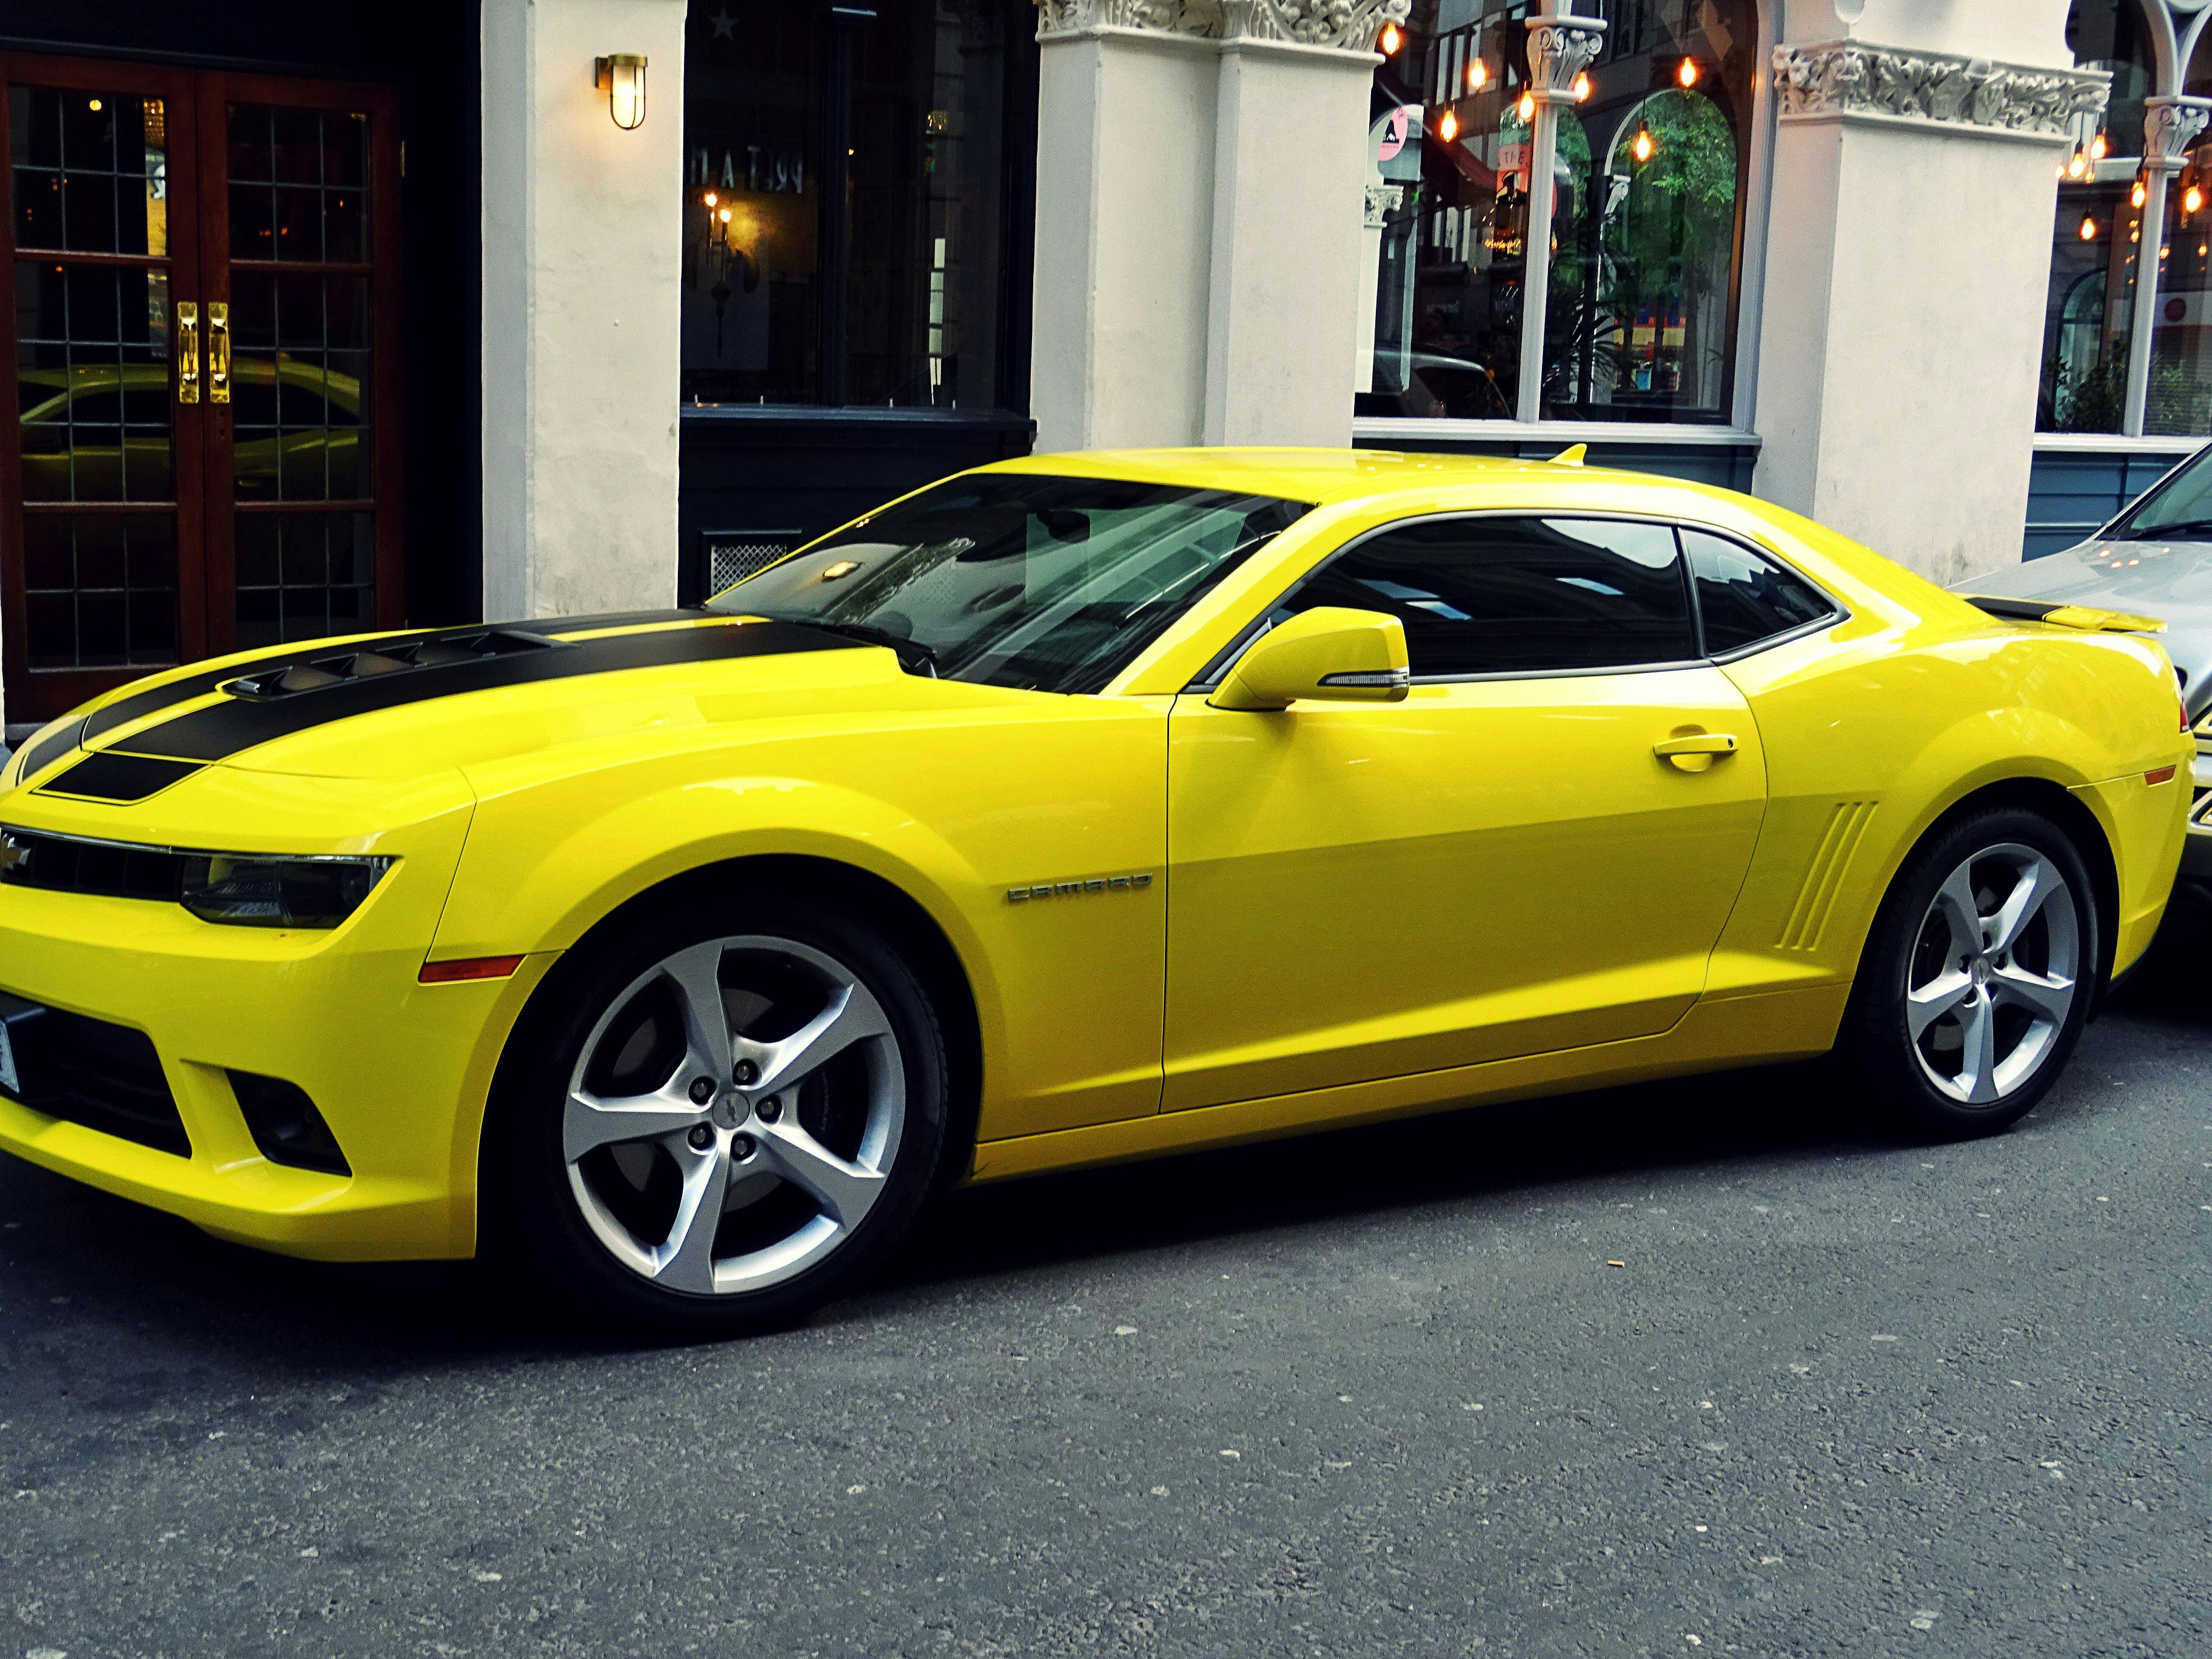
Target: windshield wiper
{"x":911,"y":653}
{"x":2184,"y":530}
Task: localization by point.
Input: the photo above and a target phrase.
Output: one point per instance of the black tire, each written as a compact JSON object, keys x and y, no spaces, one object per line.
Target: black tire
{"x":533,"y":1224}
{"x":1910,"y":943}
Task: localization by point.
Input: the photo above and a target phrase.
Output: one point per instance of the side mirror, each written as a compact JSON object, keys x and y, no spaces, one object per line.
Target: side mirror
{"x":1330,"y":655}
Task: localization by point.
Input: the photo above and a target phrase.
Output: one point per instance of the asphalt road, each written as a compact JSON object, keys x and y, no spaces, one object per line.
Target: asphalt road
{"x":1377,"y":1393}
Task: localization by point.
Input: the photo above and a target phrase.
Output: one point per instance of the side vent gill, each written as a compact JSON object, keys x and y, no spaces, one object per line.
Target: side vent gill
{"x":1824,"y":880}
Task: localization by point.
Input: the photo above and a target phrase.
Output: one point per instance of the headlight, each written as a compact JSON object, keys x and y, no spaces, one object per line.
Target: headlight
{"x":255,"y":891}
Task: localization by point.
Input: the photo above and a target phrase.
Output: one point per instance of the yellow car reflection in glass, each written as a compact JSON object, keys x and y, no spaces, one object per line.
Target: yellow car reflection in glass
{"x":1078,"y":809}
{"x":101,"y":432}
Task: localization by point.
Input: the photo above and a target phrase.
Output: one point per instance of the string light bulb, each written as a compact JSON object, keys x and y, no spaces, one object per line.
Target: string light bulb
{"x":2077,"y":163}
{"x":1448,"y":126}
{"x":1642,"y":146}
{"x":1393,"y":38}
{"x":1687,"y":74}
{"x":2098,"y":146}
{"x":2089,"y":228}
{"x":2192,"y":199}
{"x":2138,"y":196}
{"x":1526,"y":109}
{"x":712,"y":198}
{"x":1478,"y":76}
{"x":1581,"y":88}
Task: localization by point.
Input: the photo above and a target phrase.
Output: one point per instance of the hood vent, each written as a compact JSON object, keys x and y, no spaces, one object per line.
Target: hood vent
{"x":448,"y":651}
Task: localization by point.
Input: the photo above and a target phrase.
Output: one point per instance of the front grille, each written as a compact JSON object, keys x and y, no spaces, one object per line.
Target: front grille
{"x":87,"y":1071}
{"x":104,"y":869}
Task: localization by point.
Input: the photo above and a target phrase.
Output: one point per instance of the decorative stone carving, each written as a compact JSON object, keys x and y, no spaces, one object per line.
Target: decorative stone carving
{"x":2171,"y":125}
{"x":1559,"y":49}
{"x":1843,"y":78}
{"x":1383,"y":201}
{"x":1199,"y":18}
{"x":1352,"y":25}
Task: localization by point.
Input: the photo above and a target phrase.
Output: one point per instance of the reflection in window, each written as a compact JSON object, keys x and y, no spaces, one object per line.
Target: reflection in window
{"x":1447,"y":201}
{"x":844,"y":201}
{"x":1641,"y":272}
{"x":2096,"y":240}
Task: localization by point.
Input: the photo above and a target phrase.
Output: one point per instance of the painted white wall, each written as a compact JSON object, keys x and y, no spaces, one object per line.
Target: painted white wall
{"x":1903,"y":303}
{"x":582,"y":259}
{"x":1125,"y":213}
{"x":1284,"y":306}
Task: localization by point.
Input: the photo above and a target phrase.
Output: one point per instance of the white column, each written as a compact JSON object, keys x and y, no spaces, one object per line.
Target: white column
{"x":1909,"y":246}
{"x":1290,"y":189}
{"x":1560,"y":47}
{"x":582,"y":261}
{"x":1124,"y":226}
{"x":1200,"y":179}
{"x":2170,"y":126}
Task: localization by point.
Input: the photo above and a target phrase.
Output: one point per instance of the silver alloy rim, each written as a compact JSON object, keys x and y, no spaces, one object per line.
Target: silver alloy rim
{"x":1993,"y":974}
{"x":735,"y":1143}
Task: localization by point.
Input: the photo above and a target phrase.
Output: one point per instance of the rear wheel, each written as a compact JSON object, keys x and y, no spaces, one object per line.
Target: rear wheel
{"x":1977,"y":977}
{"x":718,"y":1125}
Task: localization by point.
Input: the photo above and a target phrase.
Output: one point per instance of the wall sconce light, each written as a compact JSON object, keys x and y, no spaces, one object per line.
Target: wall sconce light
{"x":622,"y":74}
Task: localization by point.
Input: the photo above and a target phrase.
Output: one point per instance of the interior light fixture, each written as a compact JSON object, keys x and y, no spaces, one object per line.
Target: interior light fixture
{"x":711,"y":198}
{"x":622,"y":75}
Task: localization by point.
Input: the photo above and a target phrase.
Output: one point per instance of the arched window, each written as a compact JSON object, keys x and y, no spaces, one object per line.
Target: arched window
{"x":1641,"y":272}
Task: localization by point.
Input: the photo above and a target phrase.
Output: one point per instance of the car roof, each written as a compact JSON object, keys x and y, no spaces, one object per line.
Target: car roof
{"x":1319,"y":475}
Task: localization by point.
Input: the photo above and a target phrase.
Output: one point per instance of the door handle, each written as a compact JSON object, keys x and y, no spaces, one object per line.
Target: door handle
{"x":188,"y":352}
{"x":218,"y":351}
{"x":1695,"y":752}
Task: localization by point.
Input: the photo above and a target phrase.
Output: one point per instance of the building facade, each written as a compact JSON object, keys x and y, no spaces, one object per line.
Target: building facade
{"x":326,"y":321}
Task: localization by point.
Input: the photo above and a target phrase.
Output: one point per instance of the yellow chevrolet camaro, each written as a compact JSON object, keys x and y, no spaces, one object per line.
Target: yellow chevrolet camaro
{"x":1077,"y":809}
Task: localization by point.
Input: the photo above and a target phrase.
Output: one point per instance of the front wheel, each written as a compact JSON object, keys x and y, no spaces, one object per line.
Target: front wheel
{"x":716,"y":1126}
{"x":1977,"y":978}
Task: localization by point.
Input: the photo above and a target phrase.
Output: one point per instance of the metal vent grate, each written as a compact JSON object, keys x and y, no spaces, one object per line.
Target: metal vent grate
{"x":734,"y":554}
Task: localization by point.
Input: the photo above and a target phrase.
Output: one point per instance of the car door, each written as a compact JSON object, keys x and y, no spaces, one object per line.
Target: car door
{"x":1506,"y":863}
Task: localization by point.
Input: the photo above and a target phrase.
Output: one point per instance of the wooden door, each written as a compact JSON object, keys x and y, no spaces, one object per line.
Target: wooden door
{"x":199,"y":378}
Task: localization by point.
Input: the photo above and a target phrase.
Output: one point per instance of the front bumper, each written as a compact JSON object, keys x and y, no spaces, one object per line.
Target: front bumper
{"x":399,"y":1070}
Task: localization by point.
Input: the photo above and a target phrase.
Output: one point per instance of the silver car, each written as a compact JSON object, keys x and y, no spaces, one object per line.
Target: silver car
{"x":2155,"y":559}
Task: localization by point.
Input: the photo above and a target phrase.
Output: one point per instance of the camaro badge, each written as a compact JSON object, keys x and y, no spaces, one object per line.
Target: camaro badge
{"x":1045,"y":889}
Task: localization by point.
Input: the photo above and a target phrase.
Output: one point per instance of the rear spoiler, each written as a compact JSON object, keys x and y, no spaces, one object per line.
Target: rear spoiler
{"x":2087,"y":618}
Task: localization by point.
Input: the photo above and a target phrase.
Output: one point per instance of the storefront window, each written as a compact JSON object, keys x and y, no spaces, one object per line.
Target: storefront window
{"x":1641,"y":269}
{"x":2096,"y":242}
{"x":844,"y":202}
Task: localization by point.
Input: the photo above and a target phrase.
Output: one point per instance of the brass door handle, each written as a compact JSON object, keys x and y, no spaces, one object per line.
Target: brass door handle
{"x":218,"y":324}
{"x":188,"y":352}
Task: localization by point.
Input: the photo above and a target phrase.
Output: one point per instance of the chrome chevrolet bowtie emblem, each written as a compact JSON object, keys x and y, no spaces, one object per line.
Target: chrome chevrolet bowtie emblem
{"x":13,"y":853}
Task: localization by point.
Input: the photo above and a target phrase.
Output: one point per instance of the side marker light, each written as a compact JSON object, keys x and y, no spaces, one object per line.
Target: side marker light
{"x":467,"y":968}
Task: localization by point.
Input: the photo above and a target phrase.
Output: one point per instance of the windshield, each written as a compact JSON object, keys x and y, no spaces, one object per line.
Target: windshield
{"x":1018,"y":579}
{"x":2181,"y":508}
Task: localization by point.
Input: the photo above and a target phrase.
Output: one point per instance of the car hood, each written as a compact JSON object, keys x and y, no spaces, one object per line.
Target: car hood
{"x":407,"y":705}
{"x":2171,"y":581}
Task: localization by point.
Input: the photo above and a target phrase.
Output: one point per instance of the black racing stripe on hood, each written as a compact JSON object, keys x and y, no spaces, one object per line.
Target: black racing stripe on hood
{"x":47,"y":750}
{"x":170,"y":693}
{"x":222,"y":730}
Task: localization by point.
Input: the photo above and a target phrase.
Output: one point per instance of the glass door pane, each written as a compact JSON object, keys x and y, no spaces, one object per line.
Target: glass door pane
{"x":299,"y":249}
{"x":97,"y":494}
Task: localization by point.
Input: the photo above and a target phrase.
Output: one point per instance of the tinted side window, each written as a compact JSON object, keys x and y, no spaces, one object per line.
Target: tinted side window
{"x":1744,"y":598}
{"x":1517,"y":596}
